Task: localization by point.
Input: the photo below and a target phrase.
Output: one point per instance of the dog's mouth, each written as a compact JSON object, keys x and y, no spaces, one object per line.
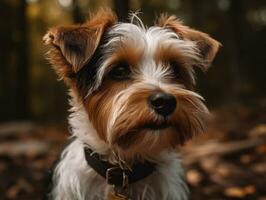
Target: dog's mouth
{"x":150,"y":126}
{"x":155,"y":126}
{"x":131,"y":137}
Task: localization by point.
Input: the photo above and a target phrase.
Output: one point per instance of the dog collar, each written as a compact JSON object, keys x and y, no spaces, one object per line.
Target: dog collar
{"x":114,"y":174}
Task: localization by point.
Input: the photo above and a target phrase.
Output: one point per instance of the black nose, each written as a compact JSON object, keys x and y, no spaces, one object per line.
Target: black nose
{"x":162,"y":103}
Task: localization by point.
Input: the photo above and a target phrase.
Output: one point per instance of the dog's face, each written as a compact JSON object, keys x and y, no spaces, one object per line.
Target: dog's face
{"x":135,"y":83}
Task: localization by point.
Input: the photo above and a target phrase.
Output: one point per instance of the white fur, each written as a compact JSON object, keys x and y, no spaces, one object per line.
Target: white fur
{"x":74,"y":179}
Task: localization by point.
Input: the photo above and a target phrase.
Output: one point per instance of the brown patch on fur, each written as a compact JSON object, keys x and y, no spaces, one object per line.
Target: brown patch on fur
{"x":71,"y":47}
{"x":190,"y":116}
{"x":145,"y":144}
{"x":136,"y":114}
{"x":99,"y":104}
{"x":169,"y":55}
{"x":207,"y":46}
{"x":126,"y":52}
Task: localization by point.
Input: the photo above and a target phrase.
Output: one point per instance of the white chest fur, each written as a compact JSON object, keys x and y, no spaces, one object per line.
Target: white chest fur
{"x":75,"y":180}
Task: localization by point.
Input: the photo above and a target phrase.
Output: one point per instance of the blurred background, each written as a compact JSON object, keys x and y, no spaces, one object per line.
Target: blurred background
{"x":227,"y":162}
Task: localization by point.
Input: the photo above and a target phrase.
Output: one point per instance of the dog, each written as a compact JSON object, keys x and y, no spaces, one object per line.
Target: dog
{"x":133,"y":103}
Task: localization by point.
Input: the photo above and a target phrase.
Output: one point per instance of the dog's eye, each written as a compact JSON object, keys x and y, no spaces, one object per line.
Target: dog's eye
{"x":120,"y":71}
{"x":175,"y":66}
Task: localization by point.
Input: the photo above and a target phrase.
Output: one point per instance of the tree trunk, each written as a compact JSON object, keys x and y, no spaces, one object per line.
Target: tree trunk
{"x":14,"y":76}
{"x":14,"y":72}
{"x":237,"y":14}
{"x":5,"y":57}
{"x":77,"y":13}
{"x":22,"y":72}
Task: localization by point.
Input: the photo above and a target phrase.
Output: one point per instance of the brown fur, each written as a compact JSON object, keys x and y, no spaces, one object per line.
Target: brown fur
{"x":126,"y":52}
{"x":168,"y":55}
{"x":72,"y":46}
{"x":99,"y":105}
{"x":208,"y":47}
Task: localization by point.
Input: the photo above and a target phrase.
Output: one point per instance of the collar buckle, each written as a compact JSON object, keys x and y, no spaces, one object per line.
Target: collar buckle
{"x":114,"y":173}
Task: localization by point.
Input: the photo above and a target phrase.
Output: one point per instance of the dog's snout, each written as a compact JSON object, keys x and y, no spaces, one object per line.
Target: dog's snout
{"x":162,"y":103}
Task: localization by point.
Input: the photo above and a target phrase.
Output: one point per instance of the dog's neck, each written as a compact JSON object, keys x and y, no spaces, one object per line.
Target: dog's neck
{"x":82,"y":128}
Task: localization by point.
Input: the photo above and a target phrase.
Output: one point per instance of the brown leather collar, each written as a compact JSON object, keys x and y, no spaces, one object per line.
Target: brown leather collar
{"x":114,"y":174}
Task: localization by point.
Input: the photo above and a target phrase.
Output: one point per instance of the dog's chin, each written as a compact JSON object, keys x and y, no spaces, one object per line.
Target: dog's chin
{"x":147,"y":136}
{"x":146,"y":142}
{"x":152,"y":126}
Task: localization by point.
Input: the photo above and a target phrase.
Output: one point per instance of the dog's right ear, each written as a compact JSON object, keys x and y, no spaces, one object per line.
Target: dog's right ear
{"x":207,"y":46}
{"x":71,"y":47}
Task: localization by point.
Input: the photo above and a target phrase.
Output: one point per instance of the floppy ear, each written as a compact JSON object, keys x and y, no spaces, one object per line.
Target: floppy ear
{"x":73,"y":46}
{"x":206,"y":45}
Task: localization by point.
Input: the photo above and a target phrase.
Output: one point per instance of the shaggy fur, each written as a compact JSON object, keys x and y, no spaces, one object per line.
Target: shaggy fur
{"x":112,"y":115}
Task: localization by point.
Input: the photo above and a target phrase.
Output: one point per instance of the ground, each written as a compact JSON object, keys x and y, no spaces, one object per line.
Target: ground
{"x":227,"y":162}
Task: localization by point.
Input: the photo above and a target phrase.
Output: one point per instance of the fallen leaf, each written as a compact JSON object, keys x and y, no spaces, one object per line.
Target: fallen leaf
{"x":246,"y":158}
{"x":259,"y":130}
{"x":239,"y":192}
{"x":250,"y":189}
{"x":261,"y":149}
{"x":194,"y":177}
{"x":235,"y":192}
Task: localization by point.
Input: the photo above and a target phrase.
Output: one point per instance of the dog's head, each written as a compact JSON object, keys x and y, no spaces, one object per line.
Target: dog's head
{"x":135,"y":83}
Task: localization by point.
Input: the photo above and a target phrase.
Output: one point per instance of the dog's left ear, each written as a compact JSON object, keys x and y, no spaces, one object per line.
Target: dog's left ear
{"x":206,"y":45}
{"x":71,"y":47}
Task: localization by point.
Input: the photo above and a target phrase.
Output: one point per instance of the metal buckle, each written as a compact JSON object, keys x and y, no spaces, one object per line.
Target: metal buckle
{"x":111,"y":170}
{"x":125,"y":180}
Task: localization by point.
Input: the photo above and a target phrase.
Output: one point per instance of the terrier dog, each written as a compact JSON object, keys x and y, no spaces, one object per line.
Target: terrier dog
{"x":133,"y":103}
